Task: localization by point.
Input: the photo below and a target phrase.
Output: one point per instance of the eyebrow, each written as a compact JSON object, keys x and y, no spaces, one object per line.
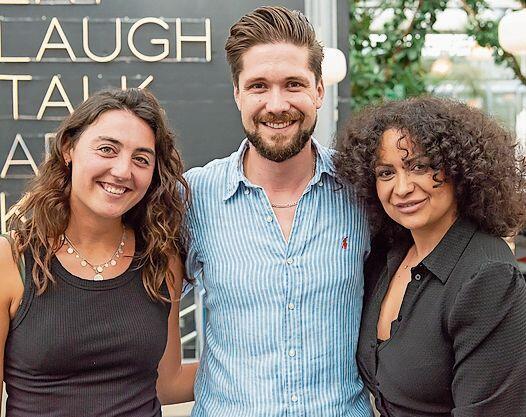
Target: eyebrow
{"x":304,"y":80}
{"x":254,"y":80}
{"x":408,"y":161}
{"x":382,"y":164}
{"x":119,"y":143}
{"x":415,"y":157}
{"x":300,"y":78}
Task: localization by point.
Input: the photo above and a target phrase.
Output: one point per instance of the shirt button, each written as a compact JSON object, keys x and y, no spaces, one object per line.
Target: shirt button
{"x":292,"y":353}
{"x":320,"y":183}
{"x":294,"y":398}
{"x":418,"y":276}
{"x":373,"y":345}
{"x":291,"y":306}
{"x":247,"y":191}
{"x":290,"y":261}
{"x":268,"y":219}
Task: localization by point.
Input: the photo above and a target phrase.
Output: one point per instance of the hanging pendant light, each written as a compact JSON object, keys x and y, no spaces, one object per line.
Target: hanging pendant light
{"x":512,"y":32}
{"x":333,"y":66}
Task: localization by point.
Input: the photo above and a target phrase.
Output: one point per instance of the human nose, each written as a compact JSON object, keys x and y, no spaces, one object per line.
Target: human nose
{"x":277,"y":102}
{"x":121,"y":168}
{"x":403,"y":184}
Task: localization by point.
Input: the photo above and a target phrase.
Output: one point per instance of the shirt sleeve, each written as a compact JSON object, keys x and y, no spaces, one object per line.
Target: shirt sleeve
{"x":193,"y":265}
{"x":488,"y":328}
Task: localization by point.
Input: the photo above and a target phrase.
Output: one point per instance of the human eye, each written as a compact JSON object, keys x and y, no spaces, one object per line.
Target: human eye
{"x":256,"y":86}
{"x":142,"y":160}
{"x":384,"y":174}
{"x":106,"y":150}
{"x":295,"y":84}
{"x":420,"y":166}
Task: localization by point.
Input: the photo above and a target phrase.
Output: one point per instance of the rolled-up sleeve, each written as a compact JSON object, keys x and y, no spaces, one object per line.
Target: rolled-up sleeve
{"x":487,"y":325}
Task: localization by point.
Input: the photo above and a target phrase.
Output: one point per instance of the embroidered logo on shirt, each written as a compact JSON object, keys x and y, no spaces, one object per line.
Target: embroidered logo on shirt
{"x":344,"y":243}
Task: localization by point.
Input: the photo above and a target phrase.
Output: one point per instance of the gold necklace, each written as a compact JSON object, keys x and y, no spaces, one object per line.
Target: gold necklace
{"x":295,"y":203}
{"x":407,"y":264}
{"x":99,"y":268}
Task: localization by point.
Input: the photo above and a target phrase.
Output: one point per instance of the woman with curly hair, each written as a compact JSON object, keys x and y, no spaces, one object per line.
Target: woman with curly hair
{"x":91,"y":274}
{"x":443,"y":328}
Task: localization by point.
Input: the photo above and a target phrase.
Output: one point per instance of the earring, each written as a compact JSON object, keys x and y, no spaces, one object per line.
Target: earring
{"x":67,"y":164}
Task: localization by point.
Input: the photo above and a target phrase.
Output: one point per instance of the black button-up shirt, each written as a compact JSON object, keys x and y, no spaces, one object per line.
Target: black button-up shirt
{"x":458,"y":346}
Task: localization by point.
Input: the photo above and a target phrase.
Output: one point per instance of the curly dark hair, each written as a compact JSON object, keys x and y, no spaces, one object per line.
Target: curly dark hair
{"x":476,"y":154}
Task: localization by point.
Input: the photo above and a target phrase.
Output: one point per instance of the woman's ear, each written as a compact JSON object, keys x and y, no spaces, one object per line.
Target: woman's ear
{"x":66,"y":155}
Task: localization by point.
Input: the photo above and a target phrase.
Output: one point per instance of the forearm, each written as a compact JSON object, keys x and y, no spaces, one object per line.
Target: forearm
{"x":179,"y":387}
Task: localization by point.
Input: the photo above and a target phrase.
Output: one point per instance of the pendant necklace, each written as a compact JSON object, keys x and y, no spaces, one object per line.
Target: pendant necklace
{"x":98,"y":268}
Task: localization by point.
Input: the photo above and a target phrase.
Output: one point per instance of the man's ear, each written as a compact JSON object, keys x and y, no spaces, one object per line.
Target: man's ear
{"x":320,"y":93}
{"x":236,"y":96}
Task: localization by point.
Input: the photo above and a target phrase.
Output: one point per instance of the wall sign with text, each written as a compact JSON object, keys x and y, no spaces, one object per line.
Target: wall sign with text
{"x":55,"y":53}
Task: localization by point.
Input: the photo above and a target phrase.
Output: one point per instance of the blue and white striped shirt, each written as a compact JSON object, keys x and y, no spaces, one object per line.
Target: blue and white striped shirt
{"x":282,"y":317}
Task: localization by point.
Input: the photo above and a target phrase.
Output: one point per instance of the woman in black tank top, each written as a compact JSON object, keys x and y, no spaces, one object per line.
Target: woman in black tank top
{"x":91,"y":274}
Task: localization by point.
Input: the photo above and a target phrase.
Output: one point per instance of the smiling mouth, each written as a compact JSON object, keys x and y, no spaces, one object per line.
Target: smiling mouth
{"x":410,"y":206}
{"x":113,"y":189}
{"x":281,"y":125}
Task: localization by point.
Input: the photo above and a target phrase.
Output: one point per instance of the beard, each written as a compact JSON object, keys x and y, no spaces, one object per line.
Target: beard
{"x":271,"y":148}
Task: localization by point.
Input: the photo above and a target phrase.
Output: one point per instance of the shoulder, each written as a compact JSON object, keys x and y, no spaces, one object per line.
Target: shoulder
{"x":10,"y":280}
{"x":494,"y":295}
{"x":487,"y":251}
{"x":494,"y":280}
{"x":210,"y":173}
{"x":6,"y":252}
{"x":326,"y":159}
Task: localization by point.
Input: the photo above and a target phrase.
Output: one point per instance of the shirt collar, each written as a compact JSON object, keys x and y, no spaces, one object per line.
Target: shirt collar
{"x":443,"y":259}
{"x":235,"y":175}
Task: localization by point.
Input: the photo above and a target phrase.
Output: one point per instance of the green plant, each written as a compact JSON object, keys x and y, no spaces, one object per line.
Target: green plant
{"x":486,"y":34}
{"x":389,"y":65}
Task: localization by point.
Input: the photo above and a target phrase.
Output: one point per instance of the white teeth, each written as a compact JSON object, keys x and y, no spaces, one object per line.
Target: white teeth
{"x":279,"y":125}
{"x":112,"y":189}
{"x":409,"y":205}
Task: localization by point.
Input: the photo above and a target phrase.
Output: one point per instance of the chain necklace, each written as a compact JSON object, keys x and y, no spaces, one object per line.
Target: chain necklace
{"x":99,"y":268}
{"x":295,"y":203}
{"x":409,"y":258}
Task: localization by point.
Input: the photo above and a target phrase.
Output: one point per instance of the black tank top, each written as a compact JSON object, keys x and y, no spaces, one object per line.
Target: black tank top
{"x":85,"y":348}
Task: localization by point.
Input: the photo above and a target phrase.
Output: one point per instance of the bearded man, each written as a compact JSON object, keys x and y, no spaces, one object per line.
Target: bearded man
{"x":277,"y":242}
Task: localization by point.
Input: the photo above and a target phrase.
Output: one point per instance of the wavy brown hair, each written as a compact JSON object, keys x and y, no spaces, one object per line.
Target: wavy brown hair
{"x":272,"y":24}
{"x":44,"y":212}
{"x":476,"y":154}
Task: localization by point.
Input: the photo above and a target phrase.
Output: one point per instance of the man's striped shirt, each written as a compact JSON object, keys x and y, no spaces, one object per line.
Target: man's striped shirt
{"x":282,"y":317}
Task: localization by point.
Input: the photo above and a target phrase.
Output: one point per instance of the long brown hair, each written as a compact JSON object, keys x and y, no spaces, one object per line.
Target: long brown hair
{"x":44,"y":212}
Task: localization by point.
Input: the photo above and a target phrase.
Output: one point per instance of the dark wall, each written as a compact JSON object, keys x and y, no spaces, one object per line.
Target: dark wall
{"x":196,"y":95}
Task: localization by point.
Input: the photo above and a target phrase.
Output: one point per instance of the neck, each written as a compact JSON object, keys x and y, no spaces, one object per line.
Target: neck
{"x":279,"y":176}
{"x":428,"y":238}
{"x":90,"y":232}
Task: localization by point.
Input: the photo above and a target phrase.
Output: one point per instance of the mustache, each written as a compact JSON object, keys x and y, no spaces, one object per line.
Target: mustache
{"x":284,"y":117}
